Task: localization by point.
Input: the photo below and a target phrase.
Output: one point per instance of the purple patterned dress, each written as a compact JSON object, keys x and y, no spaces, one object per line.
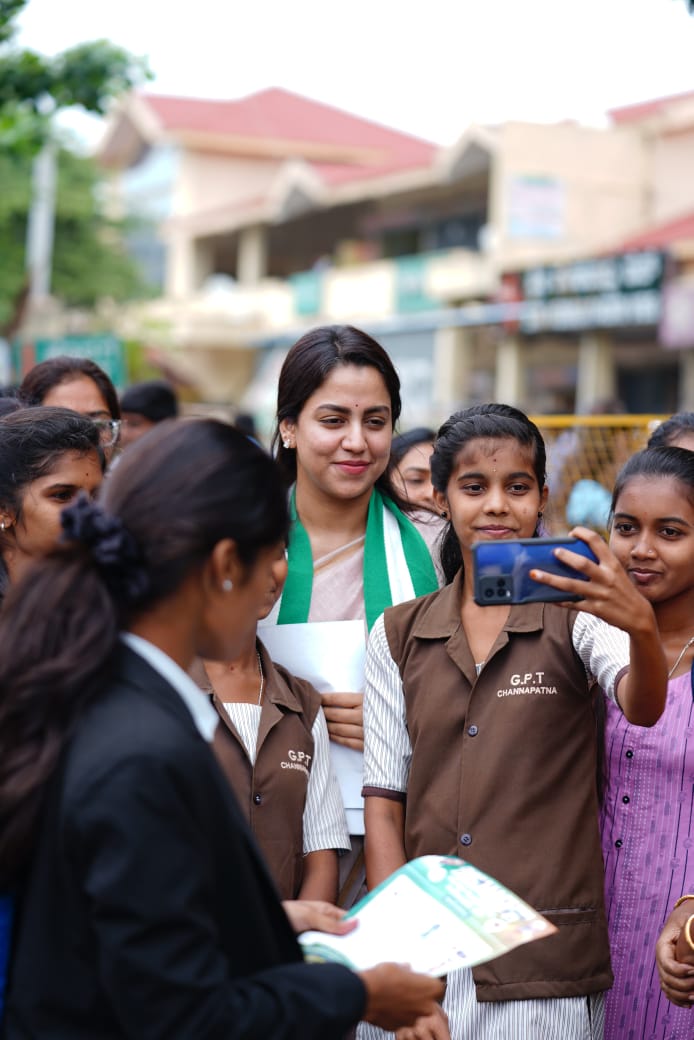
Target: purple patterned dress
{"x":648,"y":846}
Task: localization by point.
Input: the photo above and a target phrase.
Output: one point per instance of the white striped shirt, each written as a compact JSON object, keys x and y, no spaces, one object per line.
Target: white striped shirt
{"x":560,"y":1018}
{"x":324,"y":823}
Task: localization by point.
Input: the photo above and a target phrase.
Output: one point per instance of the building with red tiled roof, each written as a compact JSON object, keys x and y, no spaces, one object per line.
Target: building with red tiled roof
{"x":272,"y":122}
{"x":262,"y":215}
{"x":293,"y":125}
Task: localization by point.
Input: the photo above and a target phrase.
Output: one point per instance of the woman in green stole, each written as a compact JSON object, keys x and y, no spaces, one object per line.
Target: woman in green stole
{"x":352,"y":550}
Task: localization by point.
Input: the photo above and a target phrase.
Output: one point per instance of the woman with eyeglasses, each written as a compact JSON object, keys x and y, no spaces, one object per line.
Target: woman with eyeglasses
{"x":79,"y":384}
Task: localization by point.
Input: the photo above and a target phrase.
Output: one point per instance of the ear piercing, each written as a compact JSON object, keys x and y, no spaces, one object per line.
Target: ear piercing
{"x":539,"y":515}
{"x":286,"y":443}
{"x":444,"y":514}
{"x":227,"y":585}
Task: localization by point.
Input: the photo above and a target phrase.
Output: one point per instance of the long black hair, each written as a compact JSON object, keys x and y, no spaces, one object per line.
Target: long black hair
{"x":500,"y":421}
{"x":172,"y":498}
{"x":32,"y":440}
{"x":306,"y":367}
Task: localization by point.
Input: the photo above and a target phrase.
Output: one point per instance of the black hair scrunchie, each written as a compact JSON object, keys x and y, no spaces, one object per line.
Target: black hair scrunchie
{"x":113,"y":548}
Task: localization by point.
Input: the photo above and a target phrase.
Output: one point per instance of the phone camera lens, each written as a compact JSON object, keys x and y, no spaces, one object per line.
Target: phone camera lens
{"x":488,"y":593}
{"x":501,"y":583}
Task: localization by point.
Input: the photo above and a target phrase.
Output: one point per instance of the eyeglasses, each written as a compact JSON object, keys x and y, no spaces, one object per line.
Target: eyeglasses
{"x":109,"y":430}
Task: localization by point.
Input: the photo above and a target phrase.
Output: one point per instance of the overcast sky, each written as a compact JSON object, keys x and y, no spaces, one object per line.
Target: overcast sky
{"x":428,"y":67}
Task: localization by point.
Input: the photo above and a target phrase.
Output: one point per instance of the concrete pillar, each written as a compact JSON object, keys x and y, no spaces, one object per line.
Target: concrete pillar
{"x":180,"y":267}
{"x":251,"y":263}
{"x":509,"y":381}
{"x":453,"y":363}
{"x":189,"y":263}
{"x":596,"y":377}
{"x":686,"y":381}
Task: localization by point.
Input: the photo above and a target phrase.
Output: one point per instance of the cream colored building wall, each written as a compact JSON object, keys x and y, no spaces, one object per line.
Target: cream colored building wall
{"x":673,"y":175}
{"x":207,"y":181}
{"x":604,"y":182}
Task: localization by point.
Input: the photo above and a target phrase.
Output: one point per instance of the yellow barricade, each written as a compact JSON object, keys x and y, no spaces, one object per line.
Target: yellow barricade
{"x":590,"y":449}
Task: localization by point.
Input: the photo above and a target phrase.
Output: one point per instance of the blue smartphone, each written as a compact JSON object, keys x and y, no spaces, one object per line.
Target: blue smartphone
{"x":501,"y":570}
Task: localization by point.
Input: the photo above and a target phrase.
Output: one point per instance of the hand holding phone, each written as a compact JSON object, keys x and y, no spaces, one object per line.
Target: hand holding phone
{"x":502,"y":570}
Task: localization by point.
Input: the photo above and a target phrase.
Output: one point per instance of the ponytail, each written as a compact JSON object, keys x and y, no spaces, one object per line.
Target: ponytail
{"x":175,"y":495}
{"x":451,"y":555}
{"x":57,"y":636}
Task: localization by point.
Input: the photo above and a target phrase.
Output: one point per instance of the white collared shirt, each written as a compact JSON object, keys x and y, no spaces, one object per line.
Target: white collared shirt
{"x":196,"y":701}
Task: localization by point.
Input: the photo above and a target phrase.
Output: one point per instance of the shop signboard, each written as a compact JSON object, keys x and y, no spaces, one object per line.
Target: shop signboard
{"x":105,"y":349}
{"x":603,"y":293}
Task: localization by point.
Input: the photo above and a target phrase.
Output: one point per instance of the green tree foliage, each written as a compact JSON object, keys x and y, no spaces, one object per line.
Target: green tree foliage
{"x":33,"y":87}
{"x":88,"y":259}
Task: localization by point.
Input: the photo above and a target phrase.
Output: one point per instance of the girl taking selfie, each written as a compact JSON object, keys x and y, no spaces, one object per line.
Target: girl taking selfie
{"x":480,"y":733}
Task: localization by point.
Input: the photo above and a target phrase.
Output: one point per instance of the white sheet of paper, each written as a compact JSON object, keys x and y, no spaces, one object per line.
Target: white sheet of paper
{"x":331,"y":656}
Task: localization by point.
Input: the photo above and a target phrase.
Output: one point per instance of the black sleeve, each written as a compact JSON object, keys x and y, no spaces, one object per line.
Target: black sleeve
{"x":142,"y":865}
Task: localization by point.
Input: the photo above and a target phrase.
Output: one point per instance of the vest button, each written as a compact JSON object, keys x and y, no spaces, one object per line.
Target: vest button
{"x":472,"y":731}
{"x":630,"y":753}
{"x":257,"y":798}
{"x":626,"y":799}
{"x":618,"y":844}
{"x":466,"y":839}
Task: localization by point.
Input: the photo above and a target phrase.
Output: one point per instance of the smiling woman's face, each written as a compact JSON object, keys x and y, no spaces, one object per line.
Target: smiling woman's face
{"x":652,"y":536}
{"x":36,"y":528}
{"x":342,"y":436}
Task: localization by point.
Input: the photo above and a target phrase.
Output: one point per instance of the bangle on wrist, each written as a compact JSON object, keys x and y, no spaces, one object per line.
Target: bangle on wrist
{"x":688,"y":932}
{"x":682,"y":899}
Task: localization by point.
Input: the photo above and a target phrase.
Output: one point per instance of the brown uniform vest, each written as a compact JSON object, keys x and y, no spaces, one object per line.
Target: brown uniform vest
{"x":503,"y":775}
{"x":272,"y":793}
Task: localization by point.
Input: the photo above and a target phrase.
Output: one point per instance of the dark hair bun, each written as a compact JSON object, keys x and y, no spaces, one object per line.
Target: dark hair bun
{"x":112,"y":547}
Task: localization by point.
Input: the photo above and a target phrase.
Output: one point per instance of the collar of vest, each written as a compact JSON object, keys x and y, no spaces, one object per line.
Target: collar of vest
{"x":440,"y":618}
{"x":276,"y":689}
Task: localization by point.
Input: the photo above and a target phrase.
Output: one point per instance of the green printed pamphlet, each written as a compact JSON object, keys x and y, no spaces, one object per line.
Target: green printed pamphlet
{"x":436,"y":913}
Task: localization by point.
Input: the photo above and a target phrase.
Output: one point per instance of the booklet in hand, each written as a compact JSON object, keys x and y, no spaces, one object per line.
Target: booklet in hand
{"x":436,"y":913}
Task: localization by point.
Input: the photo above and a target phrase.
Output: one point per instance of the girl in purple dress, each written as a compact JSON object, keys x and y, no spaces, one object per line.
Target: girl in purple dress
{"x":648,"y":810}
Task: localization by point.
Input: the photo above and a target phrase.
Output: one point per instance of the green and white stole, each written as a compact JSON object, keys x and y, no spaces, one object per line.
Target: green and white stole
{"x":397,"y":563}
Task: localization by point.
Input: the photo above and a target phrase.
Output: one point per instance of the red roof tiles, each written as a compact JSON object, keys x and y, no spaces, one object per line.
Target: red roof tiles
{"x":646,"y":109}
{"x":661,"y":235}
{"x":281,"y":115}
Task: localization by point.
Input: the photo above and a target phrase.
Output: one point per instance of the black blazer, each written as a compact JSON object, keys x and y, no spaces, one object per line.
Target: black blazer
{"x":148,"y":911}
